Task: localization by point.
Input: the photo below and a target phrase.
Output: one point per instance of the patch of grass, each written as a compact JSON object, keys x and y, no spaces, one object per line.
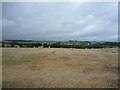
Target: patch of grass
{"x":9,"y":60}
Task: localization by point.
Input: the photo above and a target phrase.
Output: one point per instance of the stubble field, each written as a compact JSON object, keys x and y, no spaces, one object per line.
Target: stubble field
{"x":59,"y":68}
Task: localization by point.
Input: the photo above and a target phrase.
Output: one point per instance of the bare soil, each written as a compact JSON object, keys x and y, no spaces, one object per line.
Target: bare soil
{"x":59,"y":68}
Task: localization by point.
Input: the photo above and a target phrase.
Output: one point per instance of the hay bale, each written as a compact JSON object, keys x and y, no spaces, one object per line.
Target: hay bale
{"x":113,"y":51}
{"x":48,"y":46}
{"x":106,"y":50}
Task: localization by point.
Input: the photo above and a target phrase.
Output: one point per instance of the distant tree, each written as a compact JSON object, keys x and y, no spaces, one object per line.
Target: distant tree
{"x":71,"y":41}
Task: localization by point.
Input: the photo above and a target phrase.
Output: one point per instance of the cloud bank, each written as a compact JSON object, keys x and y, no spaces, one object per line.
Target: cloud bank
{"x":89,"y":21}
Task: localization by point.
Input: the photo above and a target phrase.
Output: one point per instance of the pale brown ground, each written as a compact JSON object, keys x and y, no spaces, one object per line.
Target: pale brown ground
{"x":61,"y":68}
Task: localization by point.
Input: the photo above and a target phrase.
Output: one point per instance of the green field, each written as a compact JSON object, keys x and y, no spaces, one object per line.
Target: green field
{"x":53,"y":42}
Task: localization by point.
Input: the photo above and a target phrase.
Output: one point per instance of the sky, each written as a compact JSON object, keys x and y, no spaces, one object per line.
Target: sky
{"x":60,"y":21}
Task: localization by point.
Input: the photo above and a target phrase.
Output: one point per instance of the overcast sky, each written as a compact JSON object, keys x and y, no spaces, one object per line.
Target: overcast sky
{"x":61,"y":21}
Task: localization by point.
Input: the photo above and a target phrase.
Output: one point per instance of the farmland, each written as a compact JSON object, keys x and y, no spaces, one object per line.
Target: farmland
{"x":58,"y":44}
{"x":60,"y":68}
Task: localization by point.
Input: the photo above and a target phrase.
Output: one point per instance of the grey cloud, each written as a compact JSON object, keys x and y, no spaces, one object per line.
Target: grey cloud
{"x":60,"y":21}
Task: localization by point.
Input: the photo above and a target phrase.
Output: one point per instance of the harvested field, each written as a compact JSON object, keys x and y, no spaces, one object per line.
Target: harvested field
{"x":59,"y":68}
